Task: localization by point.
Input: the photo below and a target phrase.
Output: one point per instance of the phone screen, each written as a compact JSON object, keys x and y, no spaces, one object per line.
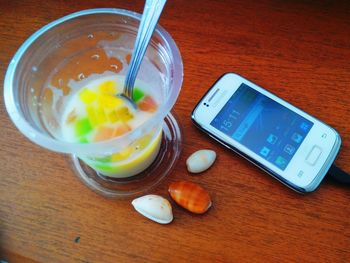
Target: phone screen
{"x":264,"y":126}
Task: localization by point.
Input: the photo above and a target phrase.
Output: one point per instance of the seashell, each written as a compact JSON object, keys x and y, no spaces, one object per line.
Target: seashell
{"x":190,"y":196}
{"x":200,"y":161}
{"x":154,"y":207}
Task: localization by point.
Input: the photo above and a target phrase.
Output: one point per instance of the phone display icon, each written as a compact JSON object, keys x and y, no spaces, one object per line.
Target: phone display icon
{"x":304,"y":126}
{"x":264,"y":151}
{"x":272,"y":139}
{"x":289,"y":149}
{"x":296,"y":137}
{"x":281,"y":162}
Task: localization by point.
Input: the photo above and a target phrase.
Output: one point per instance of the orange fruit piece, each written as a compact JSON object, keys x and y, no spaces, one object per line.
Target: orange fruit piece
{"x":128,"y":58}
{"x":121,"y":129}
{"x":72,"y":116}
{"x":103,"y":133}
{"x":148,"y":104}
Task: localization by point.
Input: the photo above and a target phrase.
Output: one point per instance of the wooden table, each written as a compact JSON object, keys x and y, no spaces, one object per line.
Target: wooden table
{"x":299,"y":50}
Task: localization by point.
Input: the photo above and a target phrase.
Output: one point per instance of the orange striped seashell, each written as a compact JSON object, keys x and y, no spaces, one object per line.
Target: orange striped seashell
{"x":190,"y":196}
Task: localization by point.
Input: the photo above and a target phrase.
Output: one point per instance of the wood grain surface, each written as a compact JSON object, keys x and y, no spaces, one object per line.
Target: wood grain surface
{"x":299,"y":50}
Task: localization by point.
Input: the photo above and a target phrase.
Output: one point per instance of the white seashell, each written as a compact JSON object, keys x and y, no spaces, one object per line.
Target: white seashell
{"x":154,"y":207}
{"x":200,"y":161}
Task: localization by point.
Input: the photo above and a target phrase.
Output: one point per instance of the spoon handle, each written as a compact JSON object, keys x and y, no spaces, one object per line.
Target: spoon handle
{"x":149,"y":20}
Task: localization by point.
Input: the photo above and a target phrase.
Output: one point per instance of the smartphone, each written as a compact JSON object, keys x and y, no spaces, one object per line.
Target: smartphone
{"x":284,"y":141}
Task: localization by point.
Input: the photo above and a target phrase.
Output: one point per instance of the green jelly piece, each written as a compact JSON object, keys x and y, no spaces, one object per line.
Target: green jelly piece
{"x":104,"y":167}
{"x":83,"y":140}
{"x":106,"y":159}
{"x":82,"y":127}
{"x":138,"y":95}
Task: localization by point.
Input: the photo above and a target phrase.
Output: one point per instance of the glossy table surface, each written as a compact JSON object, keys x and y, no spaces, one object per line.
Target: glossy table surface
{"x":299,"y":50}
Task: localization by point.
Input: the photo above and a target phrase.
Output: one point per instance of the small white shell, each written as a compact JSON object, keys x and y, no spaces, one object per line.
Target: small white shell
{"x":154,"y":207}
{"x":200,"y":161}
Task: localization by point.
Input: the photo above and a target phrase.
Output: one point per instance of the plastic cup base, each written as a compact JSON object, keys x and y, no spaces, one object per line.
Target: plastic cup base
{"x":143,"y":182}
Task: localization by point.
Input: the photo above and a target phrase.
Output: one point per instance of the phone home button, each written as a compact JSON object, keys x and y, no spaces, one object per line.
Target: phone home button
{"x":313,"y":155}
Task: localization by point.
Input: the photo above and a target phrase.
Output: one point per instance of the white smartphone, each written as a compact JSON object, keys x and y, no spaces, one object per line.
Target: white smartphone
{"x":286,"y":142}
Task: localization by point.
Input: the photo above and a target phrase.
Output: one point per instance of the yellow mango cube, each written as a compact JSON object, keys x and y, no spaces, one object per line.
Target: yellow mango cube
{"x":90,"y":110}
{"x":109,"y":102}
{"x":100,"y":115}
{"x":122,"y":155}
{"x":96,"y":115}
{"x":113,"y":117}
{"x":108,"y":87}
{"x":124,"y":114}
{"x":87,"y":96}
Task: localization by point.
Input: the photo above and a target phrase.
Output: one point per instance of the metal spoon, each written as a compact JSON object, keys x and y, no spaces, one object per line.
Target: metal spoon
{"x":150,"y":17}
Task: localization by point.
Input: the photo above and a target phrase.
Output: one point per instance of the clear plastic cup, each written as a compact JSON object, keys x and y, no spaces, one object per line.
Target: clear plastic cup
{"x":68,"y":50}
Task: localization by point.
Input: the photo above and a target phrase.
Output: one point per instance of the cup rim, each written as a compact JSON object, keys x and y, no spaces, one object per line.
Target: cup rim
{"x":102,"y":147}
